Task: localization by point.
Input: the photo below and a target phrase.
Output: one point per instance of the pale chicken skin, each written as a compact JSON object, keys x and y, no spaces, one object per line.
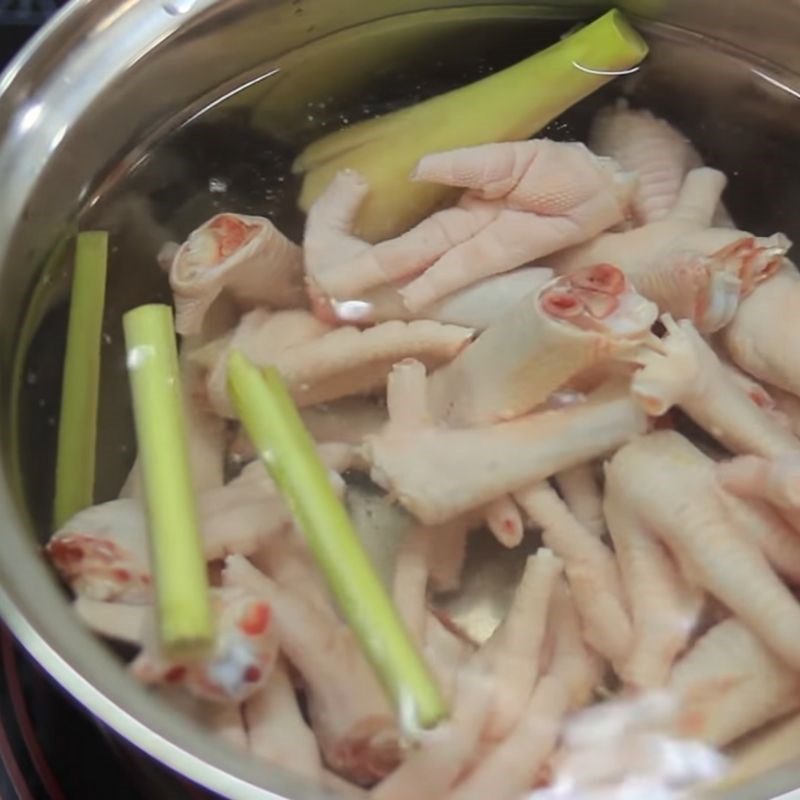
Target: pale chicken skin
{"x":753,"y":340}
{"x":349,"y":713}
{"x":687,"y":514}
{"x":321,"y":364}
{"x":514,"y":651}
{"x":679,"y":262}
{"x":440,"y":473}
{"x":658,"y":154}
{"x":571,"y":325}
{"x":685,"y":371}
{"x":590,"y":568}
{"x":247,"y":257}
{"x":102,"y":552}
{"x":581,"y":490}
{"x":664,"y":607}
{"x":535,"y":197}
{"x":730,"y":683}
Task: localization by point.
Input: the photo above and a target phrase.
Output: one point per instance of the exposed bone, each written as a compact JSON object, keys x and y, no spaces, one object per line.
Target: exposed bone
{"x":690,"y":284}
{"x":682,"y":264}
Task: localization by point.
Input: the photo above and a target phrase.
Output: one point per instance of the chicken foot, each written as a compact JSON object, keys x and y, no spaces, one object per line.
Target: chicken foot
{"x":568,"y":326}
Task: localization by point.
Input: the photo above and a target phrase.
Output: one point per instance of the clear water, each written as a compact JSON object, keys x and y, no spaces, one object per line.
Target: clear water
{"x":236,"y":155}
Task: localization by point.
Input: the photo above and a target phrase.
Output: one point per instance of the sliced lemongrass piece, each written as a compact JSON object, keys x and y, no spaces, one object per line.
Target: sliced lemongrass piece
{"x":280,"y":437}
{"x":179,"y":568}
{"x":512,"y":104}
{"x":77,"y":425}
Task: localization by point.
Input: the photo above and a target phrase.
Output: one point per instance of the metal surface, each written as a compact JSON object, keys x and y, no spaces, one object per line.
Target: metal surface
{"x":77,"y":108}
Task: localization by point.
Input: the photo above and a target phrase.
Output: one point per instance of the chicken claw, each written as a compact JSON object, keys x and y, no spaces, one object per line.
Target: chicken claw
{"x":758,"y":338}
{"x":729,"y":683}
{"x":102,"y":553}
{"x":688,"y":373}
{"x":671,"y":488}
{"x":524,"y":200}
{"x":244,"y":655}
{"x":438,"y":474}
{"x":642,"y":143}
{"x":677,"y":261}
{"x":246,"y":256}
{"x":571,"y":324}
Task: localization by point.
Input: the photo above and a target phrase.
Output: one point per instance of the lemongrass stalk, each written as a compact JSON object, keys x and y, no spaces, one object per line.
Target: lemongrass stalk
{"x":80,"y":386}
{"x":510,"y":105}
{"x":179,"y":567}
{"x":271,"y":419}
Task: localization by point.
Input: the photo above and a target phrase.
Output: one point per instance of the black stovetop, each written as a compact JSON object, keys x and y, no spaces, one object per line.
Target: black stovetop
{"x":51,"y":748}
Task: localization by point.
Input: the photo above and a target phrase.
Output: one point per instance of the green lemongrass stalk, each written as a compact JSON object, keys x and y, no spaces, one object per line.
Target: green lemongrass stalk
{"x":280,"y":437}
{"x":510,"y":105}
{"x":179,"y":567}
{"x":80,"y":386}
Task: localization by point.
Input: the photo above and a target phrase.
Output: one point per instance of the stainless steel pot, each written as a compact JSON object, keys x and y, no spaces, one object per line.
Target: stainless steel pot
{"x":78,"y":107}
